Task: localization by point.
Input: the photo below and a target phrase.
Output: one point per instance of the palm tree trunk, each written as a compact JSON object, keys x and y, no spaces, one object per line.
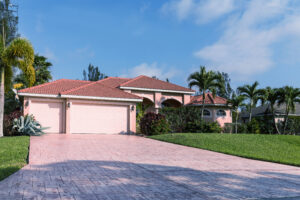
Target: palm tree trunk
{"x":1,"y":100}
{"x":250,"y":114}
{"x":236,"y":119}
{"x":203,"y":101}
{"x":286,"y":116}
{"x":274,"y":121}
{"x":285,"y":121}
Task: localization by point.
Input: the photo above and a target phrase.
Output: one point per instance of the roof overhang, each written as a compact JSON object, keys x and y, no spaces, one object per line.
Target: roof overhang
{"x":156,"y":90}
{"x":225,"y":105}
{"x":80,"y":97}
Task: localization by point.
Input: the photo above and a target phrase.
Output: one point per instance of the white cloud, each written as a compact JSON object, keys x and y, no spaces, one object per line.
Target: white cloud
{"x":202,"y":11}
{"x":245,"y":48}
{"x":153,"y":69}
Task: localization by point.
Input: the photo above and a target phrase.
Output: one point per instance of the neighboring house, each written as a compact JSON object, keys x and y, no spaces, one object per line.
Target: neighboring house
{"x":215,"y":110}
{"x":265,"y":110}
{"x":105,"y":106}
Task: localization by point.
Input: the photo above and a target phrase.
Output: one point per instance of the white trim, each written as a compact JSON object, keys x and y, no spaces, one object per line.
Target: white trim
{"x":80,"y":97}
{"x":156,"y":90}
{"x":38,"y":95}
{"x":101,"y":98}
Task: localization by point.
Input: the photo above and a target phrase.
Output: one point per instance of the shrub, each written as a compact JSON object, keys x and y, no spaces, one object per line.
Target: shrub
{"x":154,"y":124}
{"x":253,"y":126}
{"x":187,"y":119}
{"x":8,"y":122}
{"x":181,"y":119}
{"x":203,"y":127}
{"x":27,"y":126}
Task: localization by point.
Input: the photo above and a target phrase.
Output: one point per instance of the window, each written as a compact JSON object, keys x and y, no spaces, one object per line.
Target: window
{"x":206,"y":113}
{"x":221,"y":113}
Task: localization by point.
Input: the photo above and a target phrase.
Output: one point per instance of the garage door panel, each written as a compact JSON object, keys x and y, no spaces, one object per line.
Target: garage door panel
{"x":49,"y":114}
{"x":93,"y":118}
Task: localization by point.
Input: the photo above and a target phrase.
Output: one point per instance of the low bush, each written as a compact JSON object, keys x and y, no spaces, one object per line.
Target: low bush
{"x":8,"y":122}
{"x":27,"y":126}
{"x":203,"y":127}
{"x":154,"y":124}
{"x":187,"y":119}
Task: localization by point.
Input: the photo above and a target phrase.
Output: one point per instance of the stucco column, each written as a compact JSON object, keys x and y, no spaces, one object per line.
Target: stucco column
{"x":157,"y":101}
{"x":26,"y":104}
{"x":68,"y":106}
{"x":186,"y":99}
{"x":132,"y":119}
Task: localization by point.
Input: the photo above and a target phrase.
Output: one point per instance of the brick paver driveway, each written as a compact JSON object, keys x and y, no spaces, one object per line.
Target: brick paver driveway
{"x":130,"y":167}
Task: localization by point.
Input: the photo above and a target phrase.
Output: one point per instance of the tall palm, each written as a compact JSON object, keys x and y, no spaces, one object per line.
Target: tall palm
{"x":18,"y":53}
{"x":205,"y":81}
{"x":288,"y":96}
{"x":271,"y":97}
{"x":252,"y":94}
{"x":235,"y":102}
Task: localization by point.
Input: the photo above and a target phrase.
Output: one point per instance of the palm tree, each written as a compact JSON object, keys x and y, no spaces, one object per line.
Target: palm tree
{"x":235,"y":102}
{"x":18,"y":53}
{"x":206,"y":81}
{"x":288,"y":96}
{"x":42,"y":72}
{"x":252,"y":94}
{"x":271,"y":97}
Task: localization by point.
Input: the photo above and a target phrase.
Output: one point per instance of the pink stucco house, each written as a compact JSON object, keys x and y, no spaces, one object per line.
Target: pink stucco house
{"x":215,"y":110}
{"x":105,"y":106}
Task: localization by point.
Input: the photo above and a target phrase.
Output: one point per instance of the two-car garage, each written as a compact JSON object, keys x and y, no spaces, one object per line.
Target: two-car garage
{"x":81,"y":116}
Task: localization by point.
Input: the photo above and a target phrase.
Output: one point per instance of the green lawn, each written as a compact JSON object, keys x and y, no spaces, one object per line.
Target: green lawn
{"x":275,"y":148}
{"x":13,"y":154}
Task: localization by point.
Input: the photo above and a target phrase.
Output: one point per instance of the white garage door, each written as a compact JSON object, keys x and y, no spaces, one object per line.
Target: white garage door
{"x":93,"y":118}
{"x":49,"y":114}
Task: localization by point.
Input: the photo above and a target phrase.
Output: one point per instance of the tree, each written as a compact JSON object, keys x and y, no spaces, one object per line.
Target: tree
{"x":18,"y":53}
{"x":271,"y":97}
{"x":93,"y":74}
{"x":205,"y":81}
{"x":9,"y":21}
{"x":252,"y":94}
{"x":226,"y":91}
{"x":288,"y":96}
{"x":42,"y":72}
{"x":235,"y":102}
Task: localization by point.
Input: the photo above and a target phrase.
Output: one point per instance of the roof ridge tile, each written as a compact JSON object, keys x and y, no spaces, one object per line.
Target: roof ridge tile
{"x":134,"y":79}
{"x":77,"y":88}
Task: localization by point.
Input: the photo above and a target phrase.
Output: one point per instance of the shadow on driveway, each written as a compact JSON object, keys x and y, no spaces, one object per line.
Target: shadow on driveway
{"x":88,"y":179}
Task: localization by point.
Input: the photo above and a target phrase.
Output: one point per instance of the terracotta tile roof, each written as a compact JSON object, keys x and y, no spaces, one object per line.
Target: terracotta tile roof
{"x":114,"y":81}
{"x":209,"y":99}
{"x":152,"y":83}
{"x":97,"y":89}
{"x":54,"y":87}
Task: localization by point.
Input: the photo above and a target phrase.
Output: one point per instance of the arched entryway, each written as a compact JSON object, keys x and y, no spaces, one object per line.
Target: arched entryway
{"x":171,"y":103}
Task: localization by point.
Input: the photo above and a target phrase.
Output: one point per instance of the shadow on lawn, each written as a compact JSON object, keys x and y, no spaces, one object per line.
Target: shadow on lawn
{"x":124,"y":180}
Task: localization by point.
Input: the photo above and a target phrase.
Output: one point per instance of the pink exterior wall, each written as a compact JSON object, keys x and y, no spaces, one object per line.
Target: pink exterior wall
{"x":222,"y":120}
{"x":114,"y":114}
{"x":186,"y":99}
{"x":148,"y":95}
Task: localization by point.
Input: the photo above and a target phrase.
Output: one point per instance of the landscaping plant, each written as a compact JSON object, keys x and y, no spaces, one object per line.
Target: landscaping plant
{"x":28,"y":126}
{"x":8,"y":122}
{"x":154,"y":124}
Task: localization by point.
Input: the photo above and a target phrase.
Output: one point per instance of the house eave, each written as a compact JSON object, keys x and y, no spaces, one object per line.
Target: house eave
{"x":157,"y":90}
{"x":80,"y":97}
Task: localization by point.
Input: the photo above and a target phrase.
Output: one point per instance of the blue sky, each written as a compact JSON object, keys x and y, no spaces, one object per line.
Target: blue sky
{"x":250,"y":40}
